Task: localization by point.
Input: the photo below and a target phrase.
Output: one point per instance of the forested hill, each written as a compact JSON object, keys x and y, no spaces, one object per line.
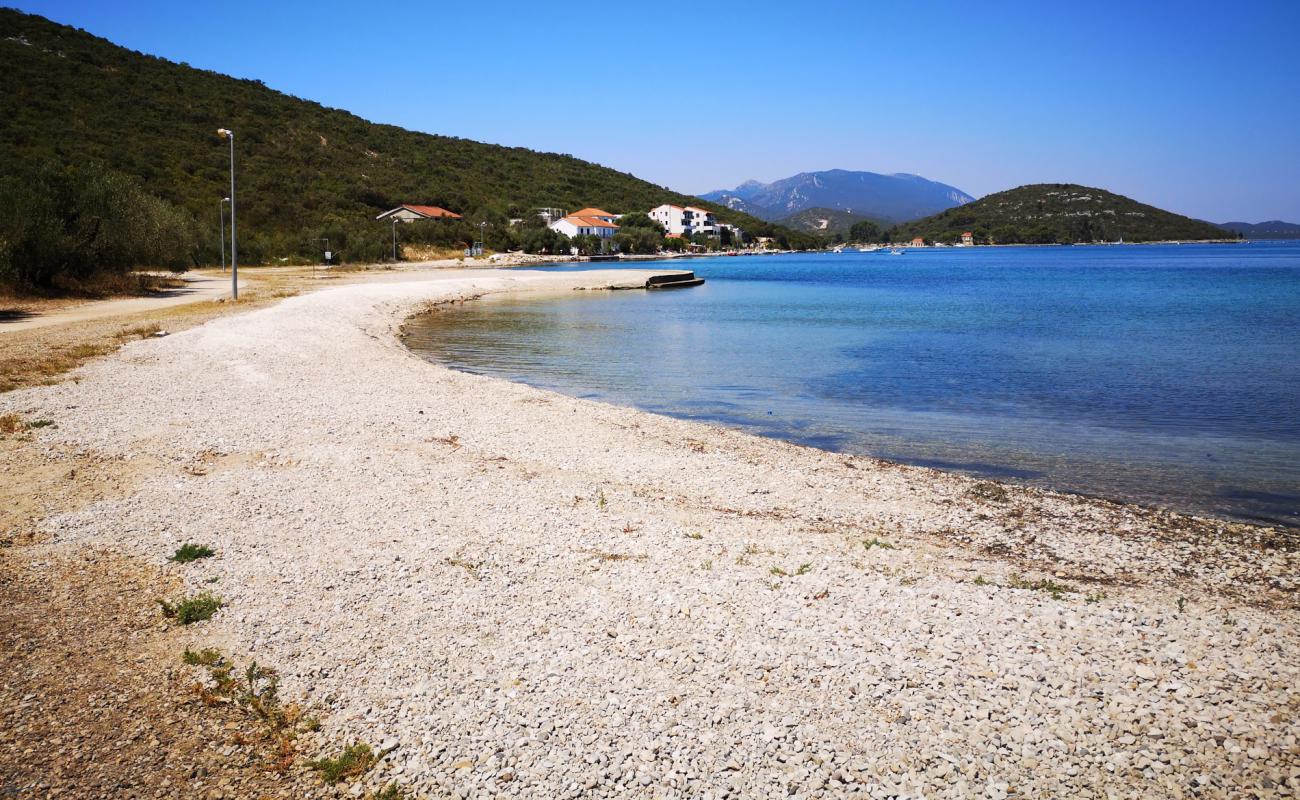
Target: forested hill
{"x":1047,"y":213}
{"x":304,"y":170}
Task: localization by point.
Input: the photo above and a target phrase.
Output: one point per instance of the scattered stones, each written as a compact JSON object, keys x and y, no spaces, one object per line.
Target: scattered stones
{"x":522,"y":614}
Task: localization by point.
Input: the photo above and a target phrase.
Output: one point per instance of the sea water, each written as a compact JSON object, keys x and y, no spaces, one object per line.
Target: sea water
{"x":1163,"y":374}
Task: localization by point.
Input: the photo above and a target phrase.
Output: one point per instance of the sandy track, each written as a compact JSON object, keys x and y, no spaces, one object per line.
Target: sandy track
{"x":539,"y":596}
{"x":198,"y":288}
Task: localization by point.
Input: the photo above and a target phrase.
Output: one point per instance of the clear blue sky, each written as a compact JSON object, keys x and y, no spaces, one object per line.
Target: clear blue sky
{"x":1192,"y":106}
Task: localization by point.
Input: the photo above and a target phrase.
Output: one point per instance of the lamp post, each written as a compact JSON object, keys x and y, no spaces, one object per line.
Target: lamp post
{"x":234,"y":260}
{"x":394,"y":240}
{"x":221,"y":213}
{"x":482,"y":233}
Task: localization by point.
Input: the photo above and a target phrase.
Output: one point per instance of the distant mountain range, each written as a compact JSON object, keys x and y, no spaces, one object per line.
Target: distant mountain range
{"x":1064,"y":213}
{"x":1273,"y":229}
{"x":886,"y":198}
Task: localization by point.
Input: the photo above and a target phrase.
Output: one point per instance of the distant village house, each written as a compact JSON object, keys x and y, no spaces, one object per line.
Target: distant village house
{"x":685,"y":220}
{"x":587,"y":222}
{"x":968,"y":239}
{"x":918,"y":242}
{"x":409,"y":213}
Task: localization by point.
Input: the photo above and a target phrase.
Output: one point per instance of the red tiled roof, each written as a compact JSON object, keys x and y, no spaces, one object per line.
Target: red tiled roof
{"x":431,"y":211}
{"x":589,"y":222}
{"x":591,"y":212}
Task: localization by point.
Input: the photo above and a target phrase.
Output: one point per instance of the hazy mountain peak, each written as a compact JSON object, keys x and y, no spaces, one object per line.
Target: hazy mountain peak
{"x":892,"y":198}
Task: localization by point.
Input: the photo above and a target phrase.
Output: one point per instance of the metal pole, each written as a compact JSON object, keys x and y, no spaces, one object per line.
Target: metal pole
{"x":221,"y":214}
{"x":234,"y":259}
{"x":394,"y":240}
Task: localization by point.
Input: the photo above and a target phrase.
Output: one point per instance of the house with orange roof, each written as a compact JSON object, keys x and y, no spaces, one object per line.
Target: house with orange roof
{"x":596,"y":213}
{"x":967,"y":239}
{"x":918,"y":242}
{"x":410,"y":213}
{"x":577,"y":225}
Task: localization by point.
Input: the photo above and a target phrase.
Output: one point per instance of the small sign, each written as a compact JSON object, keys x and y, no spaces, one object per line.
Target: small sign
{"x":328,"y":255}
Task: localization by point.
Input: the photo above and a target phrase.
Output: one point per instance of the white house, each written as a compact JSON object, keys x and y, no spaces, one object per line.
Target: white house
{"x":574,"y":225}
{"x":686,"y":220}
{"x":408,"y":213}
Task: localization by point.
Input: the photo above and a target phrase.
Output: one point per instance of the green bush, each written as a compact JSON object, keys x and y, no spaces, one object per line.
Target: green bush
{"x":191,"y":552}
{"x":192,"y":609}
{"x":62,"y":227}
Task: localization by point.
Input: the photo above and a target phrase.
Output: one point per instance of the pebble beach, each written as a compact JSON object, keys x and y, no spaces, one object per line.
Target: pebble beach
{"x":515,"y":593}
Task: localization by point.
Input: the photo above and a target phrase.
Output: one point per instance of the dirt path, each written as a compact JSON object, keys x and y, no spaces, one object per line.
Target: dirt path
{"x":198,"y":287}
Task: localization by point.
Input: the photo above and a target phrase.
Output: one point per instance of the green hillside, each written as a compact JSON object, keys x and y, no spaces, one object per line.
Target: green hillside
{"x":305,"y":171}
{"x":1046,"y":213}
{"x":825,"y":221}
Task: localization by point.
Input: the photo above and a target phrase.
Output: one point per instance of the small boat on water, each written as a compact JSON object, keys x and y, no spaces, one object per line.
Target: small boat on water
{"x":894,"y":251}
{"x":870,"y":249}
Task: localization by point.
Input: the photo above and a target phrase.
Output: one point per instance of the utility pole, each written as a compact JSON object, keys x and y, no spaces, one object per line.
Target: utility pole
{"x":234,"y":259}
{"x":221,"y":216}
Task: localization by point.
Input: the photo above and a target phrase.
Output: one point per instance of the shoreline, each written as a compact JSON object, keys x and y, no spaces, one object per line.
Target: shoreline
{"x":512,"y":585}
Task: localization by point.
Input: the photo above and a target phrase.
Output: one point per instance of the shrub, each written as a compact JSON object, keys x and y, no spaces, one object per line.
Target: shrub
{"x":353,"y":761}
{"x":192,"y":609}
{"x":191,"y":552}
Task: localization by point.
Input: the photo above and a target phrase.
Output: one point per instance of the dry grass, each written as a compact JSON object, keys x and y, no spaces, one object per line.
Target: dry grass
{"x":602,"y":555}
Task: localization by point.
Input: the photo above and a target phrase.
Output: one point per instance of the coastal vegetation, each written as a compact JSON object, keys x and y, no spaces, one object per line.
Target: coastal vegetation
{"x":101,"y":120}
{"x":1056,"y":213}
{"x":82,"y":227}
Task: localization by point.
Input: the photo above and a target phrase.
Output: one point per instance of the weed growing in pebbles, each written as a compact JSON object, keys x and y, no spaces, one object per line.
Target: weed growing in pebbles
{"x":191,"y":552}
{"x":198,"y":608}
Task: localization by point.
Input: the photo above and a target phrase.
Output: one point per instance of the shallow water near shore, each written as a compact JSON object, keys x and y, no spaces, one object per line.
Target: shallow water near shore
{"x":1161,"y":374}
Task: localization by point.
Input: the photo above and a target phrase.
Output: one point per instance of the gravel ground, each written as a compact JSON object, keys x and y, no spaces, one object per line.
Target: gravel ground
{"x":537,"y":596}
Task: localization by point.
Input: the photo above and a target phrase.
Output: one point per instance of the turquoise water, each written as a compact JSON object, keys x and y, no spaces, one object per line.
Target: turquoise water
{"x":1163,"y":374}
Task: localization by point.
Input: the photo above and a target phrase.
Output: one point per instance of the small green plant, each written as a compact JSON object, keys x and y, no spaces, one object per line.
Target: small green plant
{"x":804,"y":569}
{"x":355,"y":760}
{"x":41,"y":423}
{"x":198,"y":608}
{"x":1181,"y":603}
{"x":191,"y":552}
{"x":881,"y":543}
{"x":707,"y":565}
{"x":778,"y":572}
{"x":979,"y":581}
{"x":1056,"y":590}
{"x":391,"y":792}
{"x":207,"y":657}
{"x":694,"y":535}
{"x":1094,"y":597}
{"x":600,"y":499}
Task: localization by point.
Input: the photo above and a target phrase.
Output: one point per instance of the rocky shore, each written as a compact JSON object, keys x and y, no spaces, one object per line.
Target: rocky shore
{"x":518,"y":593}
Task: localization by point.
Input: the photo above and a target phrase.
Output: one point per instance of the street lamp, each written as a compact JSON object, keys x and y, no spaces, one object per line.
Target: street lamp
{"x":394,"y":239}
{"x":234,"y":260}
{"x":221,"y":212}
{"x":482,"y":233}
